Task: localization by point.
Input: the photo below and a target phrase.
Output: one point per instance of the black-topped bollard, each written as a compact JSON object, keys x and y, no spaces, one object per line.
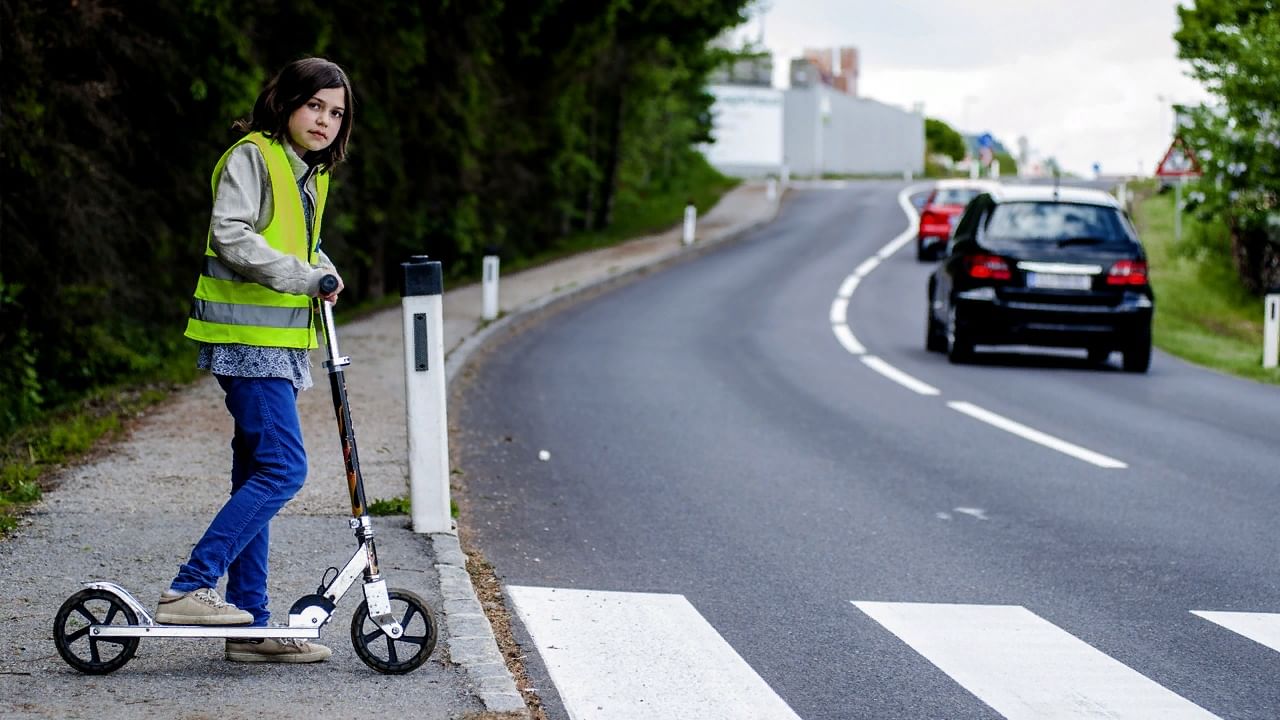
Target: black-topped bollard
{"x":422,"y":302}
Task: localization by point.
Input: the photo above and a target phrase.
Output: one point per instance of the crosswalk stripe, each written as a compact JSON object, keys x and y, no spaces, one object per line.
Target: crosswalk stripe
{"x":1025,"y":667}
{"x":1262,"y":628}
{"x":626,"y":656}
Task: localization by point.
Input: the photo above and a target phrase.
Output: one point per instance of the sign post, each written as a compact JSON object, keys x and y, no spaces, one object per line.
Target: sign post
{"x":1179,"y":163}
{"x":1271,"y":332}
{"x":987,"y":153}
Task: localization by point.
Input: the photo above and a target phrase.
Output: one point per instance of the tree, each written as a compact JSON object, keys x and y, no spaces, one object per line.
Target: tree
{"x":1234,"y":49}
{"x":1008,"y":164}
{"x":478,"y":123}
{"x":941,"y":139}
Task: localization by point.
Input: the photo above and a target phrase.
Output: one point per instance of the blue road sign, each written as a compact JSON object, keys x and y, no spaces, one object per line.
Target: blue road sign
{"x":985,"y":140}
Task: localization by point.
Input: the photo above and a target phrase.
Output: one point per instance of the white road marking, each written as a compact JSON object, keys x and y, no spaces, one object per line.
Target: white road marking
{"x":839,"y":317}
{"x":839,"y":311}
{"x":898,"y":376}
{"x":867,"y":266}
{"x":973,"y":512}
{"x":1036,"y":436}
{"x":1262,"y":628}
{"x":1025,"y":667}
{"x":846,"y":338}
{"x":848,"y":286}
{"x":628,"y":656}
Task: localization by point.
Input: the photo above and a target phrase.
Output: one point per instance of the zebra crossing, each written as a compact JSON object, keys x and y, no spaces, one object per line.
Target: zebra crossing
{"x":626,"y":656}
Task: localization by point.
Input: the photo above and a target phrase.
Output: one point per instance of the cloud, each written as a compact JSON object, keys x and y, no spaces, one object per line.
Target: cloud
{"x":1087,"y":81}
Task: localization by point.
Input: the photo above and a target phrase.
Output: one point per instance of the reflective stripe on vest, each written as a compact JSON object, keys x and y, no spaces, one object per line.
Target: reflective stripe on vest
{"x":259,"y":315}
{"x":230,"y":308}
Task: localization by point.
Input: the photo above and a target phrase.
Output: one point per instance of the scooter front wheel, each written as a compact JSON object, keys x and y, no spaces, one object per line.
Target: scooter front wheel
{"x":395,"y":656}
{"x":75,"y":643}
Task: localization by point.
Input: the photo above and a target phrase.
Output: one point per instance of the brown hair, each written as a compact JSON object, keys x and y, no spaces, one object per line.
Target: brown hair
{"x":289,"y":90}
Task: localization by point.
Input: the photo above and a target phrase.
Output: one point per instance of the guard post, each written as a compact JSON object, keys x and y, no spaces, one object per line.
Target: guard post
{"x":422,"y":303}
{"x":489,"y":308}
{"x":690,"y":223}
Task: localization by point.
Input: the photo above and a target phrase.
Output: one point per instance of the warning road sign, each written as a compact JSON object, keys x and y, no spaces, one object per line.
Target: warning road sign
{"x":1180,"y":161}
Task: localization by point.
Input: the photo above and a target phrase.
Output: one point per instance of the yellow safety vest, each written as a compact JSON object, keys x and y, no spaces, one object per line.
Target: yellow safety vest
{"x":230,"y":308}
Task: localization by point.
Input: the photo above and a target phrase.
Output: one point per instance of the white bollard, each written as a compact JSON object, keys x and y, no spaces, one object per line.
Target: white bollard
{"x":422,"y":302}
{"x":786,"y":175}
{"x":973,"y":170}
{"x":490,"y":287}
{"x":690,"y":222}
{"x":1122,"y":195}
{"x":995,"y":169}
{"x":1271,"y":332}
{"x":771,"y":190}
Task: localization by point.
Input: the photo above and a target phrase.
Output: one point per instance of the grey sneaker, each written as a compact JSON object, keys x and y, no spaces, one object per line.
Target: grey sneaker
{"x":283,"y":650}
{"x":199,"y":607}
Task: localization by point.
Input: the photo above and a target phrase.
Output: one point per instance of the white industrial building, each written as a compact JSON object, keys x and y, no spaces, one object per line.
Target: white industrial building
{"x":811,"y":129}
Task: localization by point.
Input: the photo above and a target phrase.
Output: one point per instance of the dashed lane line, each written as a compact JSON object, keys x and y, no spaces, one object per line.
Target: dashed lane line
{"x":839,"y":317}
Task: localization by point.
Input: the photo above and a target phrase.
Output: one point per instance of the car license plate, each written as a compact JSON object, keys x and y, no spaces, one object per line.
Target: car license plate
{"x":1055,"y":281}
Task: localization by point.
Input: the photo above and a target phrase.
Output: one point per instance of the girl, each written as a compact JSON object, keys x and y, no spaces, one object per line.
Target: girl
{"x":253,"y":319}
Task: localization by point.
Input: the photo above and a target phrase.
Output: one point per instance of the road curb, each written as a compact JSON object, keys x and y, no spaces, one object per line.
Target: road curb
{"x":469,"y":635}
{"x":470,"y":638}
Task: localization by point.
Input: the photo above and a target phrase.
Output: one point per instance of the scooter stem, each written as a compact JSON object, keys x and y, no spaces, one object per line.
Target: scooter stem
{"x":346,"y":432}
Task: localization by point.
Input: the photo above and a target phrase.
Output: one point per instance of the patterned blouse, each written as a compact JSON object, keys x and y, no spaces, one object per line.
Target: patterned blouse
{"x":252,"y":361}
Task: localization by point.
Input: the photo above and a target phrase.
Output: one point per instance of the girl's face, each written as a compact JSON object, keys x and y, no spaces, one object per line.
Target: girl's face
{"x":315,"y":124}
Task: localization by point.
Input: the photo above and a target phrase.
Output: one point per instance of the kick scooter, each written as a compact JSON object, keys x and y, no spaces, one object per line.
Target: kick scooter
{"x":393,"y":631}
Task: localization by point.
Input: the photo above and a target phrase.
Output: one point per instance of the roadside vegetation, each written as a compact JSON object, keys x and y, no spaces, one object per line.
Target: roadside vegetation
{"x":1204,"y":314}
{"x":531,"y":129}
{"x":944,"y":147}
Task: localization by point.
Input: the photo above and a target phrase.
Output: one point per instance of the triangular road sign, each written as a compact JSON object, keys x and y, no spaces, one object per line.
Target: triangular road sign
{"x":1179,"y":161}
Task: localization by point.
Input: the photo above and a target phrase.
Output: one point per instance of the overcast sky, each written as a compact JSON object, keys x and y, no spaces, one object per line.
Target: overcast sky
{"x":1084,"y":80}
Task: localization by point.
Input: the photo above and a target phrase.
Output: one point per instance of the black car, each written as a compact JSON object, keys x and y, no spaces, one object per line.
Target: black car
{"x":1046,"y":266}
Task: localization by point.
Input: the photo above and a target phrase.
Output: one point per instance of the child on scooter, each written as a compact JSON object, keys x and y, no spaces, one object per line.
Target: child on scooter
{"x":252,"y":315}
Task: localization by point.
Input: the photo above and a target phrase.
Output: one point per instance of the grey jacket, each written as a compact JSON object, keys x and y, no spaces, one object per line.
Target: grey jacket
{"x":243,"y":207}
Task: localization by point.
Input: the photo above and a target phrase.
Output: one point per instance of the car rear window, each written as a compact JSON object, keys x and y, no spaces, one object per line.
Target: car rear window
{"x":954,"y":196}
{"x":1055,"y":222}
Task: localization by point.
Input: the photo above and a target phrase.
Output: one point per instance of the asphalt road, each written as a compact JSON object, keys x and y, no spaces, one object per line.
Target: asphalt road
{"x":710,"y":438}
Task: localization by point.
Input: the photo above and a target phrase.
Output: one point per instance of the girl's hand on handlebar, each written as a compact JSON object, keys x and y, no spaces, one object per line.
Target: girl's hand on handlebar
{"x":332,"y":297}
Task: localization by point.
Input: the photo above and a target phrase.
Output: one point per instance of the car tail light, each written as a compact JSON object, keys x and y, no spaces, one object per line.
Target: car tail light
{"x":931,"y":217}
{"x":1128,"y":272}
{"x":987,"y":267}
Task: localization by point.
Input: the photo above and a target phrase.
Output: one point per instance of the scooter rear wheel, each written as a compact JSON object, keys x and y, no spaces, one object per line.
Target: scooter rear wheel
{"x":395,"y":656}
{"x":83,"y":651}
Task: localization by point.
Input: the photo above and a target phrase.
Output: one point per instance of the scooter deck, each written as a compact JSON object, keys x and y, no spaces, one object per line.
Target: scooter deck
{"x":198,"y":631}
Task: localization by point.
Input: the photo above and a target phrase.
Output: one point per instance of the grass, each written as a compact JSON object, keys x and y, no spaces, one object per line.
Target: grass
{"x":400,"y":505}
{"x":64,"y":434}
{"x":1203,"y":314}
{"x":637,"y":215}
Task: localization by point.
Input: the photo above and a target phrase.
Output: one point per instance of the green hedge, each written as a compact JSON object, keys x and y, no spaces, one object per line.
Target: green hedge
{"x":477,"y":124}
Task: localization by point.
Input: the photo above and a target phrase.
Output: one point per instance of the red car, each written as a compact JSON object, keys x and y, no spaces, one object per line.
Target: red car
{"x":942,"y":211}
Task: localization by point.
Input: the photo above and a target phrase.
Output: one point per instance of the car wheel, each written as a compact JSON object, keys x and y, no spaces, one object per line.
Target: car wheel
{"x":921,"y":255}
{"x":1099,"y":356}
{"x":935,"y":337}
{"x":959,"y":347}
{"x":1137,"y":357}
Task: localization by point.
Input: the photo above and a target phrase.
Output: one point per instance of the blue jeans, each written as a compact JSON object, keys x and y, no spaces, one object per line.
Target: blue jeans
{"x":268,"y":467}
